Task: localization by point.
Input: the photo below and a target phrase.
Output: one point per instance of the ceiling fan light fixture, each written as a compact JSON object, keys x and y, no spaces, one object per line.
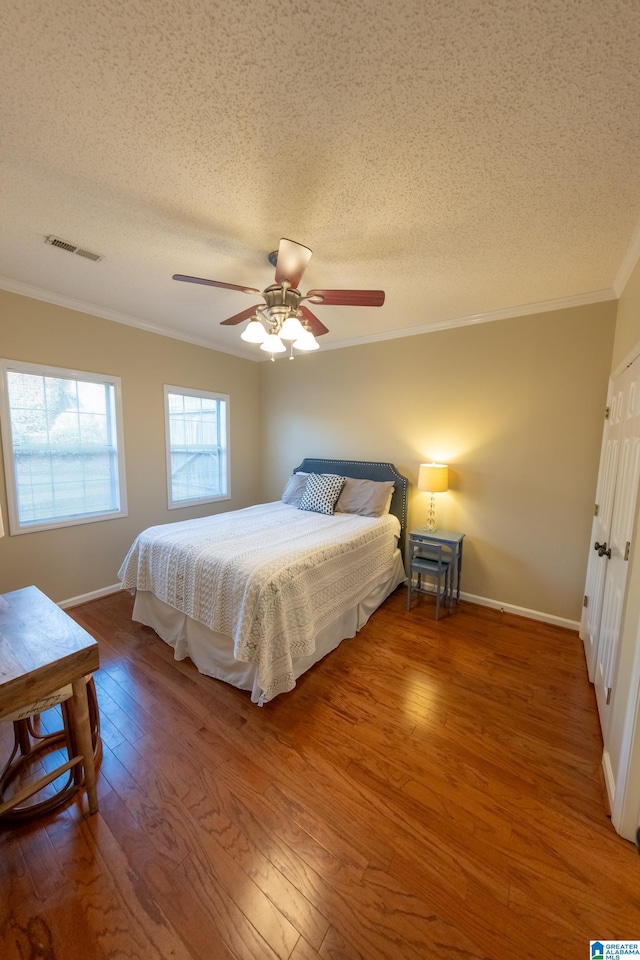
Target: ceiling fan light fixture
{"x":306,"y":341}
{"x":283,"y":314}
{"x":254,"y":332}
{"x":291,"y":329}
{"x":273,"y":344}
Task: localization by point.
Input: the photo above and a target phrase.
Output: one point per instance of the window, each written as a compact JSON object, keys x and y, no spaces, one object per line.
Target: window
{"x":63,"y":449}
{"x":197,"y":425}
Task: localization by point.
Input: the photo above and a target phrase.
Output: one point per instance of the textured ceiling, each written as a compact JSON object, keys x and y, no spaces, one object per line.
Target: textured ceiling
{"x":471,"y":158}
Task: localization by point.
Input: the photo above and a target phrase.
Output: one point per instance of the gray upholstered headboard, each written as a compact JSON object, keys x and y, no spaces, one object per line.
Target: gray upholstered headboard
{"x":367,"y":470}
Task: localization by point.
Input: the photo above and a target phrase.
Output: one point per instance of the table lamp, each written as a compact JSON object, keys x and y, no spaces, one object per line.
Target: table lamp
{"x":433,"y":478}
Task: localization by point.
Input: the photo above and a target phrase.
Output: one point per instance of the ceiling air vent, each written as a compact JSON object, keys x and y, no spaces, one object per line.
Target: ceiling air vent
{"x":72,"y":248}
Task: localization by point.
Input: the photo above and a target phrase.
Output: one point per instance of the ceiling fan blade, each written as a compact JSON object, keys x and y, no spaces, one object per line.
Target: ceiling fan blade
{"x":239,"y":317}
{"x":347,"y":298}
{"x":216,"y":283}
{"x":312,"y":323}
{"x":292,"y":260}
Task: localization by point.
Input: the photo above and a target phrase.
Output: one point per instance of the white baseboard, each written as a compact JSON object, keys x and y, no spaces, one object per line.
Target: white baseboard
{"x":86,"y":597}
{"x":481,"y":601}
{"x":609,"y":779}
{"x":521,"y":611}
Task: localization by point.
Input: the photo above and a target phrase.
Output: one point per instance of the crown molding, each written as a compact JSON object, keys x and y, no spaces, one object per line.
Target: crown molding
{"x":80,"y":306}
{"x":523,"y":310}
{"x":629,"y":261}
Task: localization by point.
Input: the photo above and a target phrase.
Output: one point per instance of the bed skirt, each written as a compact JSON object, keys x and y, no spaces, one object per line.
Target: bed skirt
{"x":212,"y":653}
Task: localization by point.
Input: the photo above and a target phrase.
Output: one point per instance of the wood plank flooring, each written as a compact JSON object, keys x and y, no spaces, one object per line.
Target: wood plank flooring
{"x":429,"y":789}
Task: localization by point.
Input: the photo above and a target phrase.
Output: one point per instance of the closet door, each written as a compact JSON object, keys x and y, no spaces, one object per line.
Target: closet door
{"x":600,"y":531}
{"x":619,"y":542}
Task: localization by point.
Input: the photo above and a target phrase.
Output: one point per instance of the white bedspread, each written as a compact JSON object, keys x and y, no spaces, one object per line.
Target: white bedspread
{"x":269,"y":576}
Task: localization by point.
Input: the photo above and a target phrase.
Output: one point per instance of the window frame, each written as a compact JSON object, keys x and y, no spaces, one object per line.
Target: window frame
{"x":16,"y":527}
{"x":209,"y":395}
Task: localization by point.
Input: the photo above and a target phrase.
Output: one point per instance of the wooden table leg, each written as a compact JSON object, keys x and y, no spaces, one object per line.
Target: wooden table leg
{"x":83,"y":729}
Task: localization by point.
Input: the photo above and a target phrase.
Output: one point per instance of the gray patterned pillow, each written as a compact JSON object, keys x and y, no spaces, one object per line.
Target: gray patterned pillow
{"x":321,"y":493}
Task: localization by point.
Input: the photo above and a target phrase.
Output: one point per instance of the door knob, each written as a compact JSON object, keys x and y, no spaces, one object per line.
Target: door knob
{"x":602,"y":550}
{"x":600,"y":546}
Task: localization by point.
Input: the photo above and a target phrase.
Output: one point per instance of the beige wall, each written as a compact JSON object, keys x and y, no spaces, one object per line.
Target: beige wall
{"x":515,"y":407}
{"x":628,"y":323}
{"x":73,"y":561}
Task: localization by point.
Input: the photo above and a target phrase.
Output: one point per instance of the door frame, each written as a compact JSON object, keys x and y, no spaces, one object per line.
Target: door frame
{"x":621,"y":754}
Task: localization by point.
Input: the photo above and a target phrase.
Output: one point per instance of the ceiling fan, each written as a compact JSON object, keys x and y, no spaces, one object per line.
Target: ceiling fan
{"x":283,"y":311}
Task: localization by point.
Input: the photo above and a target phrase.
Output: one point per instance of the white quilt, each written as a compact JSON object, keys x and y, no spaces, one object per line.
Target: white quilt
{"x":270,"y":576}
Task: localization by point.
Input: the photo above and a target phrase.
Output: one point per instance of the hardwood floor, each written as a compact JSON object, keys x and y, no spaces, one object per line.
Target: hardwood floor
{"x":429,"y":789}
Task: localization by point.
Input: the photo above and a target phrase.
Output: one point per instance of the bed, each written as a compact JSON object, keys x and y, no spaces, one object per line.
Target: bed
{"x":255,"y":597}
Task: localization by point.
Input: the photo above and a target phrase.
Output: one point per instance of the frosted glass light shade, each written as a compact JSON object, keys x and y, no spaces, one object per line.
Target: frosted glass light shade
{"x":273,"y":344}
{"x":433,"y":477}
{"x":306,"y":341}
{"x":254,"y":332}
{"x":291,"y":329}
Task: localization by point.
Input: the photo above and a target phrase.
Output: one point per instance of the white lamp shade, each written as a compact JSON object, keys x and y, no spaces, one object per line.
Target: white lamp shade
{"x":273,"y":344}
{"x":291,"y":329}
{"x":306,"y":341}
{"x":254,"y":332}
{"x":433,"y":477}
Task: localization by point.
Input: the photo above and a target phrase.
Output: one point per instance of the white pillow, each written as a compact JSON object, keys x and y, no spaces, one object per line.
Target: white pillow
{"x":321,"y":492}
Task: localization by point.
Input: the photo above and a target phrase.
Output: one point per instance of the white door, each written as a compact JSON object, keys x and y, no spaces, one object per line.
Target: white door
{"x":605,"y":492}
{"x":619,"y":542}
